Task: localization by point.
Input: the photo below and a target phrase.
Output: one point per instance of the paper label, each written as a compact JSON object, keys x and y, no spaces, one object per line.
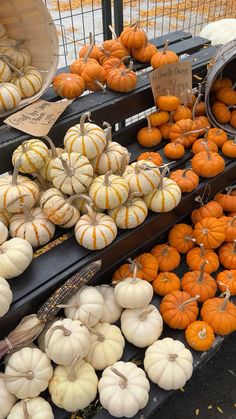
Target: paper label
{"x":38,"y":118}
{"x":174,"y":79}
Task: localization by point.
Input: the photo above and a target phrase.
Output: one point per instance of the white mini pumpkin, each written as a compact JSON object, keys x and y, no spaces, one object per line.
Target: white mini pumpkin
{"x":107,"y":345}
{"x":83,"y":202}
{"x":73,"y":388}
{"x":111,"y":309}
{"x":123,"y":389}
{"x":168,"y":363}
{"x":86,"y":305}
{"x":10,"y":97}
{"x":85,"y":138}
{"x":108,"y":191}
{"x":141,"y":326}
{"x":17,"y":54}
{"x":28,"y":372}
{"x":35,"y":408}
{"x":3,"y":233}
{"x":41,"y":337}
{"x":5,"y":72}
{"x":45,"y":170}
{"x":142,"y":176}
{"x":15,"y":256}
{"x":32,"y":153}
{"x":5,"y":217}
{"x":33,"y":226}
{"x":130,"y":214}
{"x":71,"y":173}
{"x":5,"y":296}
{"x":29,"y":81}
{"x":7,"y":400}
{"x":58,"y":208}
{"x":65,"y":340}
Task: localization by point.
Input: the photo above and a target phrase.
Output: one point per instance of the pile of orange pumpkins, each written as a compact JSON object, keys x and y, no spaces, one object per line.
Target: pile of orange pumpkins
{"x":98,"y":66}
{"x":223,"y":101}
{"x":208,"y":247}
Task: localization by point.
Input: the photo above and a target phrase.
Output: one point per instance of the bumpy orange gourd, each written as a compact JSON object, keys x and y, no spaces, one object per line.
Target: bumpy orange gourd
{"x":221,"y":112}
{"x":94,"y":76}
{"x":149,"y":136}
{"x":227,"y":255}
{"x":182,"y":112}
{"x":198,"y":255}
{"x":163,"y":57}
{"x":200,"y":336}
{"x":230,"y":228}
{"x":199,"y":146}
{"x":159,"y":118}
{"x":122,"y":80}
{"x":152,"y":156}
{"x":211,"y":209}
{"x":69,"y":86}
{"x":186,"y":179}
{"x":133,"y":36}
{"x":95,"y":51}
{"x":199,"y":282}
{"x":210,"y":232}
{"x":229,"y":148}
{"x":219,"y":83}
{"x":165,"y":282}
{"x":181,"y":237}
{"x":112,"y":64}
{"x":174,"y":151}
{"x":144,"y":53}
{"x":201,"y":123}
{"x":207,"y":163}
{"x":165,"y":129}
{"x":227,"y":200}
{"x":220,"y":314}
{"x":167,"y":103}
{"x":179,"y":309}
{"x":125,"y":271}
{"x":217,"y":135}
{"x":183,"y":132}
{"x":112,"y":48}
{"x":226,"y":279}
{"x":78,"y":65}
{"x":167,"y":256}
{"x":148,"y":265}
{"x":226,"y":95}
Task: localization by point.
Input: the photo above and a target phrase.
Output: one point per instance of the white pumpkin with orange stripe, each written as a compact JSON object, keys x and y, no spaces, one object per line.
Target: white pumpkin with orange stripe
{"x":85,"y":138}
{"x":58,"y":208}
{"x":71,"y":173}
{"x":5,"y":71}
{"x":10,"y":97}
{"x":142,"y":176}
{"x":16,"y":53}
{"x":5,"y":217}
{"x":95,"y":230}
{"x":32,"y":153}
{"x":131,"y":214}
{"x":82,"y":203}
{"x":33,"y":226}
{"x":109,"y":191}
{"x":28,"y":80}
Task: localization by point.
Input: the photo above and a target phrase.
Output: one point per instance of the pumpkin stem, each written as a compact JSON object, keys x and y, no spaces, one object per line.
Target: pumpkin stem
{"x":195,"y":131}
{"x":88,"y":52}
{"x":230,"y":189}
{"x":16,"y":172}
{"x":72,"y":374}
{"x":234,"y":247}
{"x":186,"y":170}
{"x":25,"y":410}
{"x":90,"y":38}
{"x":79,"y":195}
{"x":164,"y":172}
{"x":82,"y":120}
{"x":202,"y":333}
{"x":164,"y":51}
{"x":93,"y":215}
{"x":133,"y":263}
{"x":108,"y":132}
{"x":128,"y":69}
{"x":102,"y":87}
{"x":172,"y":357}
{"x":226,"y":299}
{"x":101,"y":337}
{"x":144,"y":314}
{"x":69,"y":171}
{"x":113,"y":32}
{"x":135,"y":195}
{"x":137,"y":168}
{"x":52,"y":146}
{"x":124,"y":380}
{"x":12,"y":67}
{"x":66,"y":332}
{"x":200,"y":200}
{"x":135,"y":267}
{"x":149,"y":124}
{"x":29,"y":375}
{"x":202,"y":250}
{"x":201,"y":275}
{"x":42,"y":183}
{"x":27,"y":213}
{"x":207,"y":150}
{"x":233,"y":220}
{"x":123,"y":163}
{"x":190,"y":300}
{"x":106,"y":178}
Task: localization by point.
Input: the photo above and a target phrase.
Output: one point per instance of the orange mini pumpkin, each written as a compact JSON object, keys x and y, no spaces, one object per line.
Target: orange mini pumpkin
{"x":174,"y":151}
{"x":159,"y":118}
{"x":182,"y":112}
{"x":124,"y":271}
{"x":152,"y":156}
{"x":167,"y":103}
{"x":232,"y":120}
{"x":200,"y":109}
{"x":181,"y":237}
{"x":95,"y":51}
{"x":220,"y":314}
{"x":229,"y":148}
{"x":219,"y":83}
{"x":217,"y":135}
{"x":210,"y":232}
{"x":148,"y":265}
{"x":198,"y":255}
{"x":179,"y":309}
{"x":199,"y":146}
{"x":221,"y":112}
{"x":167,"y":256}
{"x":165,"y":282}
{"x":133,"y":36}
{"x":227,"y":279}
{"x":163,"y":57}
{"x":122,"y":80}
{"x":207,"y":163}
{"x":200,"y":336}
{"x":112,"y":49}
{"x":144,"y":53}
{"x":78,"y":66}
{"x":227,"y":200}
{"x":199,"y":282}
{"x":183,"y":132}
{"x":201,"y":123}
{"x":69,"y":86}
{"x":112,"y":64}
{"x":211,"y":209}
{"x":227,"y":255}
{"x":230,"y":227}
{"x":165,"y":129}
{"x":95,"y":77}
{"x":226,"y":95}
{"x":186,"y":179}
{"x":149,"y":136}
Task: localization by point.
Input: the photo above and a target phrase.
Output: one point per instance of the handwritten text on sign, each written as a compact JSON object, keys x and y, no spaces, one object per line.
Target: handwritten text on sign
{"x":174,"y":79}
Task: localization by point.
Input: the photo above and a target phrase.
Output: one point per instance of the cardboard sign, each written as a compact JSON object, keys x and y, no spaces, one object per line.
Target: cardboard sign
{"x":174,"y":79}
{"x":38,"y":118}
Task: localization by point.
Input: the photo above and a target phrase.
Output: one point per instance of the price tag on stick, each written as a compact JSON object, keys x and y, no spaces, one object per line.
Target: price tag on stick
{"x":174,"y":79}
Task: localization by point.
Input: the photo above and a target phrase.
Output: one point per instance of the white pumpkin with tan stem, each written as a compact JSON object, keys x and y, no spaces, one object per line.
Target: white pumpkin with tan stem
{"x":10,"y":97}
{"x":33,"y":226}
{"x":15,"y":256}
{"x":35,"y":408}
{"x":5,"y":296}
{"x":168,"y":363}
{"x":85,"y":138}
{"x":109,"y":191}
{"x":111,"y":309}
{"x":27,"y":373}
{"x":45,"y":170}
{"x":83,"y":202}
{"x":71,"y":173}
{"x":5,"y":71}
{"x":73,"y":388}
{"x":7,"y":400}
{"x":86,"y":305}
{"x":123,"y":389}
{"x":3,"y":233}
{"x":5,"y":217}
{"x":28,"y":80}
{"x":32,"y":155}
{"x":17,"y":190}
{"x":41,"y":336}
{"x":16,"y":53}
{"x":107,"y":345}
{"x":95,"y":230}
{"x":66,"y":339}
{"x":133,"y":292}
{"x":142,"y":176}
{"x":141,"y":326}
{"x":166,"y":197}
{"x":58,"y":208}
{"x":130,"y":214}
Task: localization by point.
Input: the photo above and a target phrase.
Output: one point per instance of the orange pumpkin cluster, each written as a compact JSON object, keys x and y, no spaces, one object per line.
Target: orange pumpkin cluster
{"x":207,"y":245}
{"x":223,"y":101}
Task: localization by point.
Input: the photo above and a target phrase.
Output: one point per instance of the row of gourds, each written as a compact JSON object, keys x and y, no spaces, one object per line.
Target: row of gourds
{"x":87,"y":339}
{"x":98,"y":66}
{"x":18,"y":79}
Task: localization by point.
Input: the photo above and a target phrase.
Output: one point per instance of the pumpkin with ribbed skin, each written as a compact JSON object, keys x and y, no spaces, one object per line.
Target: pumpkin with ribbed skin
{"x":166,"y":197}
{"x":133,"y":36}
{"x":32,"y":153}
{"x":219,"y":83}
{"x":210,"y":232}
{"x":58,"y":208}
{"x":165,"y":282}
{"x":182,"y":112}
{"x":130,"y":214}
{"x":124,"y":271}
{"x":165,"y":129}
{"x":201,"y":124}
{"x":144,"y":53}
{"x":94,"y":77}
{"x":5,"y":300}
{"x":158,"y":118}
{"x":3,"y":233}
{"x":5,"y":217}
{"x":112,"y":48}
{"x":94,"y":49}
{"x":217,"y":136}
{"x":5,"y":72}
{"x":226,"y":95}
{"x":199,"y":146}
{"x":15,"y":256}
{"x":111,"y":309}
{"x":82,"y":202}
{"x":229,"y":148}
{"x":148,"y":265}
{"x":122,"y":80}
{"x":69,"y":86}
{"x":227,"y":279}
{"x":29,"y":82}
{"x":221,"y":112}
{"x":7,"y":399}
{"x":174,"y":151}
{"x":78,"y":65}
{"x":109,"y":191}
{"x":199,"y":282}
{"x":163,"y":57}
{"x":186,"y":179}
{"x":200,"y":336}
{"x":198,"y":255}
{"x":152,"y":156}
{"x":220,"y":314}
{"x":112,"y":63}
{"x":183,"y":131}
{"x":207,"y":163}
{"x":227,"y":200}
{"x":142,"y":177}
{"x":227,"y":255}
{"x":230,"y":227}
{"x":167,"y":256}
{"x":200,"y":109}
{"x":179,"y":309}
{"x":181,"y":237}
{"x":16,"y":53}
{"x":10,"y":97}
{"x":36,"y":407}
{"x":149,"y":136}
{"x":85,"y":138}
{"x":167,"y":103}
{"x":211,"y":209}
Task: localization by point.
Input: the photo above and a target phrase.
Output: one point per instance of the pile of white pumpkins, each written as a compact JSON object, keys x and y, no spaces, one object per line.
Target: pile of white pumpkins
{"x":18,"y":79}
{"x":86,"y":341}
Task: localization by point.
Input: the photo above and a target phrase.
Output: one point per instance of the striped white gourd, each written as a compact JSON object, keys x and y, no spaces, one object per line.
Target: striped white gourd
{"x":71,"y":173}
{"x":16,"y":53}
{"x":109,"y":191}
{"x":32,"y":153}
{"x":58,"y":208}
{"x":10,"y":97}
{"x":95,"y":230}
{"x":130,"y":214}
{"x":5,"y":71}
{"x":3,"y":32}
{"x":33,"y":226}
{"x":28,"y":80}
{"x":17,"y":190}
{"x":82,"y":204}
{"x":3,"y":233}
{"x":111,"y":157}
{"x":45,"y":170}
{"x":85,"y":138}
{"x":166,"y":197}
{"x":142,"y":177}
{"x":5,"y":217}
